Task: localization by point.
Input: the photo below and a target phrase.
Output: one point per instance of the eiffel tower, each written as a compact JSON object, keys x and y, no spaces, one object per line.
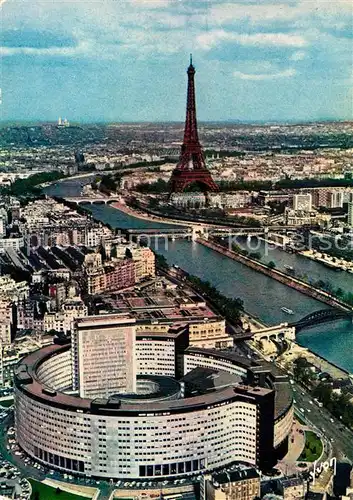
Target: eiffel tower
{"x":191,"y":167}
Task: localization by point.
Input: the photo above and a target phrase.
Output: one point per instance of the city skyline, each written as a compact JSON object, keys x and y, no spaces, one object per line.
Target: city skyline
{"x":116,"y":62}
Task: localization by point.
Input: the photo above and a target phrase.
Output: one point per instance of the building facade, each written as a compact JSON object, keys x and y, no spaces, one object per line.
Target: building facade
{"x":103,"y":360}
{"x":240,"y":484}
{"x":302,"y":202}
{"x":7,"y":321}
{"x":172,"y":430}
{"x":350,"y":214}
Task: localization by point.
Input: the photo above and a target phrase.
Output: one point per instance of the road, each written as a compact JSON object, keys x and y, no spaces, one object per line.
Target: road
{"x":340,"y":437}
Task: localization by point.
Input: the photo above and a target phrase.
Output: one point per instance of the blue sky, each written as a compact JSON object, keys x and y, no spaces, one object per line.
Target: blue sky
{"x":125,"y":60}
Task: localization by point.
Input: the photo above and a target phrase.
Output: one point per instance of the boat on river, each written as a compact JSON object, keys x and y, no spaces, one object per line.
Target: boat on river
{"x":286,"y":310}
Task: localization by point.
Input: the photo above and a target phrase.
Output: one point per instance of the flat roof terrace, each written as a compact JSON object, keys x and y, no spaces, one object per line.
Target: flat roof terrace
{"x":158,"y":304}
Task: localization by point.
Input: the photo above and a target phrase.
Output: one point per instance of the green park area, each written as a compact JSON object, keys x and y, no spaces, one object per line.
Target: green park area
{"x":313,"y":448}
{"x":42,"y":491}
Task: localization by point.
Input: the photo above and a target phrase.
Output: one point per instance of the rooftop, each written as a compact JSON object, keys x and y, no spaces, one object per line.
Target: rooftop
{"x":27,"y":381}
{"x":205,"y":380}
{"x":152,"y":304}
{"x":240,"y":474}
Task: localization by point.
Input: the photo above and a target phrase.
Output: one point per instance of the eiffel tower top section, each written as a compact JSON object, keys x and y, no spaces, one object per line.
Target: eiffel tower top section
{"x":190,"y":132}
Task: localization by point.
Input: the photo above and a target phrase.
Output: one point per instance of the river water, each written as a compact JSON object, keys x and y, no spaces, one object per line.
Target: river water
{"x":263,"y":297}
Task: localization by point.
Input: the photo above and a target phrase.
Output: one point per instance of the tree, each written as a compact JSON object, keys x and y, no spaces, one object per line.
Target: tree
{"x":153,"y":203}
{"x":107,"y":183}
{"x":113,"y":252}
{"x":323,"y":392}
{"x":271,"y":264}
{"x":161,"y":261}
{"x":302,"y":371}
{"x":160,"y":186}
{"x":128,"y":253}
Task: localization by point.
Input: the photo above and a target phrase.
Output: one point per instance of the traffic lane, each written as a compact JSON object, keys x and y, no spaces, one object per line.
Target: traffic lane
{"x":311,"y":408}
{"x":340,"y":437}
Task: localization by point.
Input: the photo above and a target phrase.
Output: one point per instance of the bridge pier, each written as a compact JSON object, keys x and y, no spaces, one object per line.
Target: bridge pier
{"x":198,"y":232}
{"x":276,"y":333}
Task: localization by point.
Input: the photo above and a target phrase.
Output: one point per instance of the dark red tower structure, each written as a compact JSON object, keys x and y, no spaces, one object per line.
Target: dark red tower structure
{"x":191,"y":167}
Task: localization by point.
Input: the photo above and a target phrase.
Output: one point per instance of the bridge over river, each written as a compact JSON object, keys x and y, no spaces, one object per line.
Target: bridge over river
{"x":194,"y":232}
{"x":288,"y":331}
{"x":321,"y":316}
{"x":84,"y":200}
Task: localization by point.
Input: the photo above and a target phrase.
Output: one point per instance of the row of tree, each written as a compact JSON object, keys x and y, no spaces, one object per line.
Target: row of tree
{"x":29,"y":186}
{"x":228,"y":307}
{"x":338,"y":404}
{"x":158,"y":187}
{"x":161,"y":186}
{"x":326,"y":286}
{"x":341,"y":247}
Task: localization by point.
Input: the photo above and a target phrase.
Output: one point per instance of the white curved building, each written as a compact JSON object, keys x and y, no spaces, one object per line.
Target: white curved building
{"x":216,"y":411}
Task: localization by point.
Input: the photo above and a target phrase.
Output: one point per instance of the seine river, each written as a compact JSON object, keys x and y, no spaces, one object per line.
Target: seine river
{"x":262,"y":296}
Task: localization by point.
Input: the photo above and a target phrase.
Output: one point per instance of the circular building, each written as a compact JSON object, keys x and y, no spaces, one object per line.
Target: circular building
{"x":222,"y":409}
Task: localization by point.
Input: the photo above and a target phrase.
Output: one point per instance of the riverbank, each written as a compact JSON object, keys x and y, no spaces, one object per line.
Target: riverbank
{"x":295,"y":350}
{"x":287,"y":280}
{"x":122,"y":207}
{"x":328,"y":261}
{"x":298,"y":351}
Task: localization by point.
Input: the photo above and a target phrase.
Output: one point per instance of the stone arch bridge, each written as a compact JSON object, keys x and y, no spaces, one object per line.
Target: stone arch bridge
{"x":81,"y":200}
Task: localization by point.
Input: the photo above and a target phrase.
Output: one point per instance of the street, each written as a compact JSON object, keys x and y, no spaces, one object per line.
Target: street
{"x":340,"y":437}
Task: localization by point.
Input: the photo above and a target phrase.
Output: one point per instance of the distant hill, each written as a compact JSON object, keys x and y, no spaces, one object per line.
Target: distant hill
{"x":46,"y":135}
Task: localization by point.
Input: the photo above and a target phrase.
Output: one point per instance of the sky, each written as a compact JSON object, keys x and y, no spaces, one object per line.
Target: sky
{"x":126,"y":60}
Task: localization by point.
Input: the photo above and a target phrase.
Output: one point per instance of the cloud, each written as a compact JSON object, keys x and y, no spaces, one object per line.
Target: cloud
{"x":80,"y":49}
{"x":298,"y":56}
{"x":287,"y":73}
{"x":60,"y":46}
{"x":207,"y":41}
{"x":151,"y":4}
{"x":228,"y":13}
{"x":35,"y":39}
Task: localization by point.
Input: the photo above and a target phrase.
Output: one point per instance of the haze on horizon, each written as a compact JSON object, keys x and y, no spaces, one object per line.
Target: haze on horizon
{"x":125,"y":61}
